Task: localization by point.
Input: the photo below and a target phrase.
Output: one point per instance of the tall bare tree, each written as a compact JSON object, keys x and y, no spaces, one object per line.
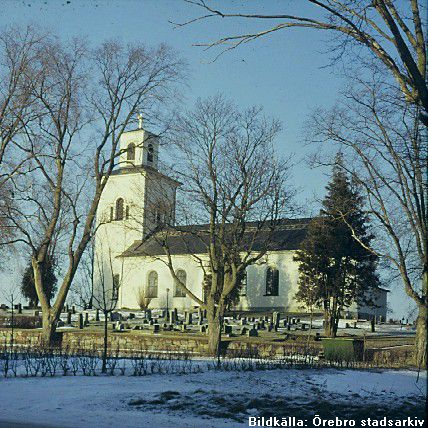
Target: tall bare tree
{"x":392,"y":31}
{"x":233,"y":197}
{"x":105,"y":297}
{"x":85,"y":100}
{"x":18,"y":52}
{"x":386,"y":150}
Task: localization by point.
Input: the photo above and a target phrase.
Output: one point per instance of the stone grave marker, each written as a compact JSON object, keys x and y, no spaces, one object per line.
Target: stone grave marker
{"x":252,"y":333}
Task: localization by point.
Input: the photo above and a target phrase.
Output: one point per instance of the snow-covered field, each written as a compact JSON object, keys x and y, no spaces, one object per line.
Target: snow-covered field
{"x":211,"y":398}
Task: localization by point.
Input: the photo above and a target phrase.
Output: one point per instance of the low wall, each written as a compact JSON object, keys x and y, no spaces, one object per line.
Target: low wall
{"x":131,"y":342}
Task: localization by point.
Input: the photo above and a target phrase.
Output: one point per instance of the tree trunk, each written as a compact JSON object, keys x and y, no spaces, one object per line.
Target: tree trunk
{"x":49,"y":329}
{"x":214,"y":332}
{"x":421,"y":338}
{"x":330,"y":324}
{"x":105,"y":347}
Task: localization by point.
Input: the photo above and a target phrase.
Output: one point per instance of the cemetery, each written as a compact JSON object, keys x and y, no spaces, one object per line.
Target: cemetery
{"x":269,"y":335}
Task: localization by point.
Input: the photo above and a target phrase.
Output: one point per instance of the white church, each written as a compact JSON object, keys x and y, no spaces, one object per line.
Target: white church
{"x":129,"y":261}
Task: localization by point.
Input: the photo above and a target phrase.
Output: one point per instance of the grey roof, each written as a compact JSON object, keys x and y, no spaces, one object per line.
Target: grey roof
{"x":193,"y":239}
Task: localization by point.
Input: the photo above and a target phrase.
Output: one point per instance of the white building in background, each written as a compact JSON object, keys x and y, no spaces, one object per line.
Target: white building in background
{"x":128,"y":256}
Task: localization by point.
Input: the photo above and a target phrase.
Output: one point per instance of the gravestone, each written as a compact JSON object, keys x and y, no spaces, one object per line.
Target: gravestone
{"x":243,"y":321}
{"x":252,"y":333}
{"x":173,"y":317}
{"x":148,"y":314}
{"x":317,"y":337}
{"x":67,"y":309}
{"x":262,"y":325}
{"x":303,"y":326}
{"x":119,"y":326}
{"x":200,"y":316}
{"x":175,"y":314}
{"x":60,"y":323}
{"x":355,"y":324}
{"x":270,"y":327}
{"x":86,"y":319}
{"x":19,"y":308}
{"x":115,"y":316}
{"x":156,"y":328}
{"x":151,"y":321}
{"x":131,"y":316}
{"x":275,"y":319}
{"x":184,"y":327}
{"x":288,"y":327}
{"x":97,"y":315}
{"x":227,"y":329}
{"x":243,"y":331}
{"x":81,"y":321}
{"x":372,"y":325}
{"x":73,"y":309}
{"x":69,"y":317}
{"x":188,"y":318}
{"x":203,"y":329}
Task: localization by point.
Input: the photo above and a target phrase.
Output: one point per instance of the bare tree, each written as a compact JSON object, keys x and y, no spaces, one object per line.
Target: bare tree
{"x":105,"y":298}
{"x":85,"y":100}
{"x":386,"y":152}
{"x":234,"y":190}
{"x":393,"y":32}
{"x":143,"y":298}
{"x":18,"y":70}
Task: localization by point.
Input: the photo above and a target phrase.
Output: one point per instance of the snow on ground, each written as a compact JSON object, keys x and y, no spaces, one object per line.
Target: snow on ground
{"x":209,"y":399}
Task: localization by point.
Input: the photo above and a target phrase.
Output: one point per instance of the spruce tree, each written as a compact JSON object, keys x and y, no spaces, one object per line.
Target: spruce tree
{"x":335,"y":266}
{"x":49,"y":281}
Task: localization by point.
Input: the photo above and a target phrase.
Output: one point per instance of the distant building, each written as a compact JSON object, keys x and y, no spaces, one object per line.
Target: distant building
{"x":137,"y":198}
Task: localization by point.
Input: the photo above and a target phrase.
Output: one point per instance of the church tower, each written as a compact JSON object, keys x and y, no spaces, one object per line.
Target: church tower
{"x":137,"y":199}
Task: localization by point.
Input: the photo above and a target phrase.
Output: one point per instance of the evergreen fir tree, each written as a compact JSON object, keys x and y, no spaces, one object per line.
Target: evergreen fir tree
{"x":49,"y":281}
{"x":336,"y":268}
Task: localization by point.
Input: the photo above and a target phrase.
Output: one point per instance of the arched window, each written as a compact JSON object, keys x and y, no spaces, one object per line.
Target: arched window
{"x":152,"y":284}
{"x":272,"y":281}
{"x":150,"y":151}
{"x":243,"y":289}
{"x":116,"y":285}
{"x":130,"y":152}
{"x":119,"y":209}
{"x":182,"y":277}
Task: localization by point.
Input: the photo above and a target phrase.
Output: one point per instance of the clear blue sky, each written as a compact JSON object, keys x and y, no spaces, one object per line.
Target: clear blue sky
{"x":285,"y":72}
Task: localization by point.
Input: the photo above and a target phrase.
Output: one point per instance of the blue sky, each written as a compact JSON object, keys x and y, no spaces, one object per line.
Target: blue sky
{"x":285,"y":72}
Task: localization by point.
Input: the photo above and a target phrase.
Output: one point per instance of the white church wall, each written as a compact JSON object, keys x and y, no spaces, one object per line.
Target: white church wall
{"x":256,"y":298}
{"x":135,"y":275}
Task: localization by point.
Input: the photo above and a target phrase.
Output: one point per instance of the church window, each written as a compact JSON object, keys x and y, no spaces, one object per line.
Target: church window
{"x":243,"y":290}
{"x":182,"y":277}
{"x":119,"y":209}
{"x":150,"y":152}
{"x":272,"y":281}
{"x":130,"y":152}
{"x":116,"y":285}
{"x":152,"y":284}
{"x":127,"y":212}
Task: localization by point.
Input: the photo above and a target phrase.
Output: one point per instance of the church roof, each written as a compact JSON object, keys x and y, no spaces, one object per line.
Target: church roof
{"x":193,"y":239}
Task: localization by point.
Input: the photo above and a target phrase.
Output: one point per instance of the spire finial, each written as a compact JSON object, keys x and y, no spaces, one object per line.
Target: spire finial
{"x":140,"y":120}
